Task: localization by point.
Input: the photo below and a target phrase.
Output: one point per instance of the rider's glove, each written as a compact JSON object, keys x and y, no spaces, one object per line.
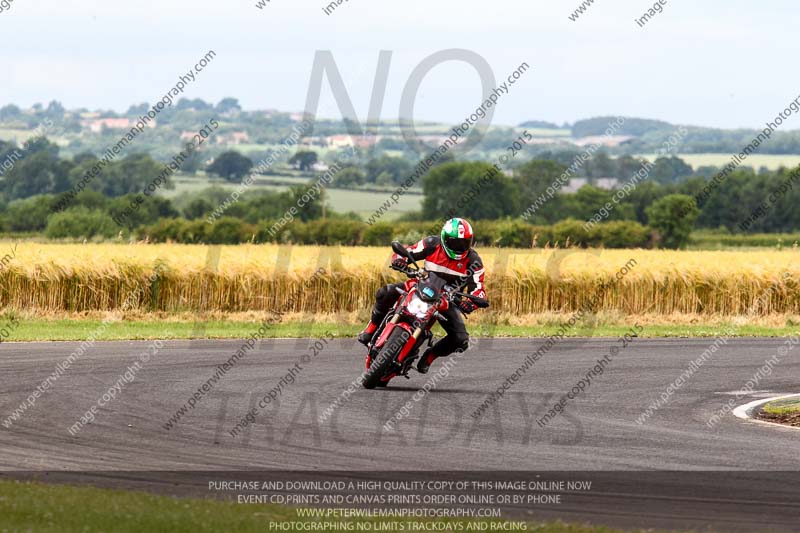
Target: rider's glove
{"x":400,"y":263}
{"x":467,"y":306}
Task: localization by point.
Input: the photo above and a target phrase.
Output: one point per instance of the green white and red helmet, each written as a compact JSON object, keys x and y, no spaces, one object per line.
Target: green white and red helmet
{"x":457,"y":238}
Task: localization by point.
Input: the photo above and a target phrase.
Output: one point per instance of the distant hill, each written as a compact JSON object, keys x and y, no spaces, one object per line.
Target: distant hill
{"x":637,"y":127}
{"x":541,"y":124}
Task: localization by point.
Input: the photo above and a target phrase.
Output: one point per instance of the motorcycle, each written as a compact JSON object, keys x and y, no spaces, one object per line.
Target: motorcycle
{"x":397,"y":341}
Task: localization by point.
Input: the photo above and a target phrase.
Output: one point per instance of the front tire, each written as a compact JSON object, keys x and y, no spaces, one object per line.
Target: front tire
{"x":386,"y":357}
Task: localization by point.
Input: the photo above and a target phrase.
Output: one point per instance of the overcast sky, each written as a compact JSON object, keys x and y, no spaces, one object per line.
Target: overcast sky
{"x":723,"y":63}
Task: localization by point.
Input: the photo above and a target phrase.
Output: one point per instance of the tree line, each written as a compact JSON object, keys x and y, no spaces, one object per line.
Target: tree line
{"x":33,"y":185}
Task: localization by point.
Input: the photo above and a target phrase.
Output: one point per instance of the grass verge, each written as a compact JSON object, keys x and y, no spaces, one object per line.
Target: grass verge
{"x":35,"y":507}
{"x":62,"y":329}
{"x":782,"y":411}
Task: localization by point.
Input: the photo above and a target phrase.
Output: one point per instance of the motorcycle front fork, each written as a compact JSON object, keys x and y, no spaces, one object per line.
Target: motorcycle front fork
{"x":409,"y":361}
{"x":415,"y":351}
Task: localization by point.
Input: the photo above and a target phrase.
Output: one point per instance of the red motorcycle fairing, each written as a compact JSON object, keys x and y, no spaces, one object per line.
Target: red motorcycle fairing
{"x":406,"y":349}
{"x":402,"y":302}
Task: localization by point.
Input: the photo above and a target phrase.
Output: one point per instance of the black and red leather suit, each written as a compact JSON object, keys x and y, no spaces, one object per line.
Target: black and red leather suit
{"x":469,"y":269}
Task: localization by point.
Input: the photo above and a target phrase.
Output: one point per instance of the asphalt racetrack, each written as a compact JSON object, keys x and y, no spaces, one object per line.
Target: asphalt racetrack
{"x":597,"y":431}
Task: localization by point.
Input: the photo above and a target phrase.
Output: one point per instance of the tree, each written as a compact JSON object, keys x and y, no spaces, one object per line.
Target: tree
{"x":40,"y":144}
{"x":397,"y":168}
{"x":198,"y":104}
{"x":673,"y":217}
{"x":80,"y":222}
{"x":10,"y":112}
{"x":231,"y":165}
{"x":135,"y":210}
{"x":138,"y":109}
{"x":384,"y":178}
{"x":6,"y":150}
{"x":198,"y":208}
{"x":534,"y":177}
{"x":312,"y":209}
{"x":84,"y":156}
{"x":229,"y":105}
{"x":39,"y":173}
{"x":349,"y":176}
{"x":475,"y":190}
{"x":643,"y":196}
{"x":600,"y":166}
{"x":194,"y":159}
{"x":55,"y":110}
{"x":448,"y":157}
{"x":130,"y":175}
{"x":30,"y":214}
{"x":670,"y":170}
{"x":304,"y":160}
{"x":590,"y":200}
{"x":627,"y":166}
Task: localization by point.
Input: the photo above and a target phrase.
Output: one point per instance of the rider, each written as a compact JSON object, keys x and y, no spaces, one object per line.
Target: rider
{"x":451,"y":256}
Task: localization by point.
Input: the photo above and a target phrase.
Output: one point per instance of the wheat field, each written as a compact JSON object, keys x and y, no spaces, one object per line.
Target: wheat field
{"x":39,"y":278}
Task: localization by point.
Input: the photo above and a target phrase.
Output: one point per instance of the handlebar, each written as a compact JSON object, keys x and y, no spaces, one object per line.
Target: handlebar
{"x":479,"y":302}
{"x":411,"y":273}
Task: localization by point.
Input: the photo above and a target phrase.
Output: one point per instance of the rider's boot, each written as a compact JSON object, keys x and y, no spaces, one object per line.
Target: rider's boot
{"x":426,"y":361}
{"x":366,"y":336}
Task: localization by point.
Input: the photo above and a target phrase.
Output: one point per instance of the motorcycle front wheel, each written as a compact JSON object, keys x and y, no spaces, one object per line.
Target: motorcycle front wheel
{"x":382,"y":364}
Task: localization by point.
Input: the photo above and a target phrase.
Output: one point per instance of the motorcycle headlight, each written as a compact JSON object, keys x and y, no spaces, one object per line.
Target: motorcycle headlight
{"x":418,"y":308}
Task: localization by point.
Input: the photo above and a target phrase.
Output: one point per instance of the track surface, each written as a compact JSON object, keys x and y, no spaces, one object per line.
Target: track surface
{"x":598,"y":430}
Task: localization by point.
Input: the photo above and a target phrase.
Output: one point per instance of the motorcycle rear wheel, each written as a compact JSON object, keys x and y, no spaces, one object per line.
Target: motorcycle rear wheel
{"x":382,"y":364}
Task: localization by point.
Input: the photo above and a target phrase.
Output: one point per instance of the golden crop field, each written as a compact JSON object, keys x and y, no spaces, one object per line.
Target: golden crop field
{"x":61,"y":277}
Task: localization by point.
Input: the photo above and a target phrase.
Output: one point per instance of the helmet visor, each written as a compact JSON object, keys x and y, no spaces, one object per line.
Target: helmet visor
{"x":457,"y":245}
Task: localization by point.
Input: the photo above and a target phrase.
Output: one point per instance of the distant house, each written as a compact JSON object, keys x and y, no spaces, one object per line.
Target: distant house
{"x":233,"y":137}
{"x":432,"y":140}
{"x":98,"y":125}
{"x":347,"y":141}
{"x":309,"y":143}
{"x":187,"y":135}
{"x":238,"y":137}
{"x":606,"y":183}
{"x":601,"y":183}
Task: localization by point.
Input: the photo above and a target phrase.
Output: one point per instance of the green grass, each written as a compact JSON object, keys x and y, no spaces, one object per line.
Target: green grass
{"x":365,"y":203}
{"x":74,"y":330}
{"x":340,"y":200}
{"x":771,"y":161}
{"x":715,"y":240}
{"x":789,"y":406}
{"x":35,"y":507}
{"x":19,"y":135}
